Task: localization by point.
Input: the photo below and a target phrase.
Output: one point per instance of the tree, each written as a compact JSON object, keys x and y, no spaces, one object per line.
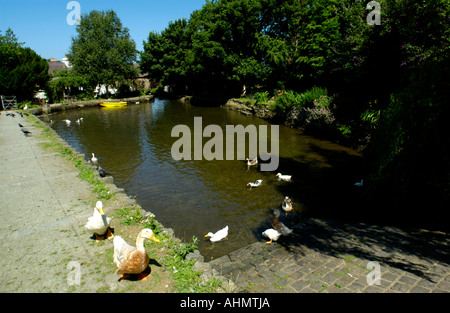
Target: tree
{"x":22,"y":70}
{"x":165,"y":56}
{"x":103,"y":52}
{"x":409,"y":153}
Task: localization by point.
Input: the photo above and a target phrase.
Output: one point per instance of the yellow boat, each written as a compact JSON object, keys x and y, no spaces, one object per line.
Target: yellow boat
{"x":112,"y":104}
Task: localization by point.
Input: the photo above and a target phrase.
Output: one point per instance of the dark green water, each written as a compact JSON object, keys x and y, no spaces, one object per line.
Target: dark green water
{"x":196,"y":197}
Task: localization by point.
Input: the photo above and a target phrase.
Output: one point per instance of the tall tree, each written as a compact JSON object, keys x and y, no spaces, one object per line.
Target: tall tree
{"x":22,"y":70}
{"x":165,"y":56}
{"x":103,"y":51}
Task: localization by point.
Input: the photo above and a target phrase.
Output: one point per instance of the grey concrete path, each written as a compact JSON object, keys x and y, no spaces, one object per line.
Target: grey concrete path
{"x":330,"y":257}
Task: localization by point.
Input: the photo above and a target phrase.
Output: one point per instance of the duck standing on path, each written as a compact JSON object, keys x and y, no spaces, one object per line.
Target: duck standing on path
{"x":132,"y":260}
{"x":272,"y":234}
{"x":99,"y":223}
{"x":25,"y":132}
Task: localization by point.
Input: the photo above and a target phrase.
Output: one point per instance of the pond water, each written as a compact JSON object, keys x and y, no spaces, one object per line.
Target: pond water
{"x":197,"y":197}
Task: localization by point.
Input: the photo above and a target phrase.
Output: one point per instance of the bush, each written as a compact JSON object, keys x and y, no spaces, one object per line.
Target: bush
{"x":261,"y":97}
{"x":320,"y":114}
{"x":285,"y":101}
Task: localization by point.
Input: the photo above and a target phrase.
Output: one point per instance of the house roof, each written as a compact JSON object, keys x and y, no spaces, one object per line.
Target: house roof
{"x":56,"y":65}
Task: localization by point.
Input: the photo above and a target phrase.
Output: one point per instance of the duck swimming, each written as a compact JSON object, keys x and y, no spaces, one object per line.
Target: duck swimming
{"x":255,"y":184}
{"x":219,"y":235}
{"x":132,"y":260}
{"x":284,"y":177}
{"x":287,"y":205}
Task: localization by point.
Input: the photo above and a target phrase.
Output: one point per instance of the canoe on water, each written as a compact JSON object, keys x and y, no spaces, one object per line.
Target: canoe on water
{"x":112,"y":104}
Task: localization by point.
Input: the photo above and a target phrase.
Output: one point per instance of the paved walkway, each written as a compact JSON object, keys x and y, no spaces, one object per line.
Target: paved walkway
{"x":325,"y":256}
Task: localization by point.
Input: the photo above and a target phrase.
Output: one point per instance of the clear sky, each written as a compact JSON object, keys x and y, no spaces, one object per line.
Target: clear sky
{"x":42,"y":24}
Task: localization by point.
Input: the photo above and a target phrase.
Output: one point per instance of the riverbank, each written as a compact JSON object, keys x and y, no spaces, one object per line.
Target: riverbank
{"x":57,"y":107}
{"x":48,"y":192}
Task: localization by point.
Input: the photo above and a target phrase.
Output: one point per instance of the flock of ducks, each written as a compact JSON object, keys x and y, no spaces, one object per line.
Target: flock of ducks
{"x":254,"y":162}
{"x":278,"y":228}
{"x":68,"y":122}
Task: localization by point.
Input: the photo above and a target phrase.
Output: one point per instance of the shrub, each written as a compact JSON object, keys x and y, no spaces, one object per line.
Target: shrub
{"x":261,"y":97}
{"x":285,"y":101}
{"x":320,"y":115}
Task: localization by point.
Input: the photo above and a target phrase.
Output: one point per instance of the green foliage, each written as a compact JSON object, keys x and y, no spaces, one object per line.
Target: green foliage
{"x":319,"y":115}
{"x":311,"y":98}
{"x":261,"y":97}
{"x":102,"y":52}
{"x":22,"y":71}
{"x":287,"y":100}
{"x":409,"y":152}
{"x":371,"y":117}
{"x":129,"y":216}
{"x":65,"y":80}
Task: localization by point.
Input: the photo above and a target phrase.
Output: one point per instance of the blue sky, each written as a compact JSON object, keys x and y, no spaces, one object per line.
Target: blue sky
{"x":42,"y":24}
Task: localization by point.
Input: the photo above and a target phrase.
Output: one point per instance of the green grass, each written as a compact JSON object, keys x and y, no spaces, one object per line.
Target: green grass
{"x":129,"y":216}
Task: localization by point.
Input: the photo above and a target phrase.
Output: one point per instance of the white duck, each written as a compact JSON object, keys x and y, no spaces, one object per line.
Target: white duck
{"x":284,"y":177}
{"x":94,"y":160}
{"x":272,"y":234}
{"x":221,"y":234}
{"x":67,"y":122}
{"x":252,"y":162}
{"x":132,"y":260}
{"x":255,"y":184}
{"x":359,"y":184}
{"x":99,"y":223}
